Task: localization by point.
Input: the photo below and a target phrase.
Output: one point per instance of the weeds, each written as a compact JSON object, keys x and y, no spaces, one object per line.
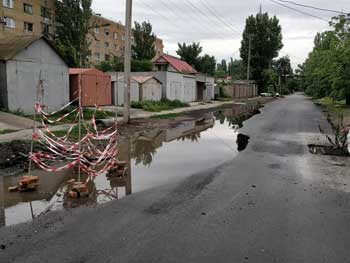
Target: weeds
{"x":157,"y":106}
{"x":340,"y":140}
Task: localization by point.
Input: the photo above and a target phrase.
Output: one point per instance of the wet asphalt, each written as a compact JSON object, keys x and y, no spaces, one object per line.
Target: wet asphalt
{"x":271,"y":203}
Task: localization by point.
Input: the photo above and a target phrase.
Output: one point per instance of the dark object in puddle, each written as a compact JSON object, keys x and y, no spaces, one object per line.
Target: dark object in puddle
{"x":327,"y":150}
{"x":242,"y":142}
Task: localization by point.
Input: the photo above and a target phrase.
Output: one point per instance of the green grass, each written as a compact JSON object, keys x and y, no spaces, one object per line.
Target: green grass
{"x":157,"y":106}
{"x":88,"y":113}
{"x":7,"y":131}
{"x":335,"y":108}
{"x":74,"y":135}
{"x":166,"y":116}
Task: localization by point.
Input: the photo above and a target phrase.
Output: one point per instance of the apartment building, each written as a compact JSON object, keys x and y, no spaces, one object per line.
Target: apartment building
{"x":29,"y":17}
{"x":108,"y":40}
{"x":36,"y":17}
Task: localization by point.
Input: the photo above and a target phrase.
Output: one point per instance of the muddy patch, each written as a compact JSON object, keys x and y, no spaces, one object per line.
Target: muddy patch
{"x":281,"y":149}
{"x":328,"y":150}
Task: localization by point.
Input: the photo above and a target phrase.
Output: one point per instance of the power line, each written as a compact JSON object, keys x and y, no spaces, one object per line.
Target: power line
{"x":297,"y":10}
{"x":211,"y":10}
{"x":312,"y":7}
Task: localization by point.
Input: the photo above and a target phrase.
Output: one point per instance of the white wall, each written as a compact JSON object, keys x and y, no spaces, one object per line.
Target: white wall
{"x":180,"y":87}
{"x":38,"y":61}
{"x":134,"y":92}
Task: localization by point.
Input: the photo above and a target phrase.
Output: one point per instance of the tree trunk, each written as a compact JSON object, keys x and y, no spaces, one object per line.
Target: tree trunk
{"x":347,"y":99}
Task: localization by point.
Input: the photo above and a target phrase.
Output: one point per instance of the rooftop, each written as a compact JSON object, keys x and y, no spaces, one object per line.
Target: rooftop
{"x":180,"y":65}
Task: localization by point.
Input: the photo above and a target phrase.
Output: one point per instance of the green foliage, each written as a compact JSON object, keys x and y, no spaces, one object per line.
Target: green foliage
{"x":144,"y":39}
{"x":222,"y":65}
{"x":157,"y":106}
{"x":7,"y":131}
{"x":207,"y":65}
{"x":166,"y":116}
{"x":236,"y":69}
{"x":220,"y":73}
{"x":73,"y":25}
{"x":266,"y":41}
{"x":116,"y":64}
{"x":326,"y":71}
{"x":190,"y":53}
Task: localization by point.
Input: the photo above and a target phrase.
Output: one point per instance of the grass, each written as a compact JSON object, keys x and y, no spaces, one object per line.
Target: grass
{"x":7,"y":131}
{"x":70,"y":118}
{"x":74,"y":135}
{"x":157,"y":106}
{"x":166,"y":116}
{"x":335,"y":109}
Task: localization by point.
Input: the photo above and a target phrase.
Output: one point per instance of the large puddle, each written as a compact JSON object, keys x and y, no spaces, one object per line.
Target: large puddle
{"x":153,"y":159}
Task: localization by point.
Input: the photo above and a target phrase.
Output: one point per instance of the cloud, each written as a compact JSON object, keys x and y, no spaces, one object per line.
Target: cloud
{"x":218,"y":25}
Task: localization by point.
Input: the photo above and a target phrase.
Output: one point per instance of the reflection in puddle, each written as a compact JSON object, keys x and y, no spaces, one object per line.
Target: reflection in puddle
{"x":156,"y":158}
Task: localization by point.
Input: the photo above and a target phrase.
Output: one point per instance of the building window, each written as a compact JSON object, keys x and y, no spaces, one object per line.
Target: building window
{"x":7,"y":3}
{"x":97,"y":30}
{"x":106,"y":32}
{"x":115,"y":46}
{"x":97,"y":56}
{"x":28,"y":26}
{"x":10,"y":22}
{"x":27,"y":8}
{"x":98,"y":44}
{"x":115,"y":35}
{"x":107,"y":57}
{"x":106,"y":44}
{"x":46,"y":12}
{"x":123,"y":37}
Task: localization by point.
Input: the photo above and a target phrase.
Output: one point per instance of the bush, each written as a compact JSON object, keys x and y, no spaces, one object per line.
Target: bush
{"x":157,"y":106}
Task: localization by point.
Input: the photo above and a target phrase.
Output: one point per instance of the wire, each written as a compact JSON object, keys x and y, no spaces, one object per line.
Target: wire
{"x":211,"y":10}
{"x":300,"y":11}
{"x":312,"y":7}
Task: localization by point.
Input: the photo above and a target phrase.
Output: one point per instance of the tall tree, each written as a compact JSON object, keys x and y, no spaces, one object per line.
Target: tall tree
{"x":223,"y":65}
{"x":326,"y":71}
{"x":236,"y":69}
{"x":207,"y":65}
{"x":190,"y":53}
{"x":144,"y":41}
{"x":265,"y":34}
{"x":73,"y":25}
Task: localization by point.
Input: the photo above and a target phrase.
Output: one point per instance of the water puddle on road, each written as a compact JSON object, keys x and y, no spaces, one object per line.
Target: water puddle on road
{"x":153,"y":159}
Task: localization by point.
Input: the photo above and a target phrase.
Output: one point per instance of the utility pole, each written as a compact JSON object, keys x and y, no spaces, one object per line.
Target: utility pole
{"x":249,"y":56}
{"x":127,"y":60}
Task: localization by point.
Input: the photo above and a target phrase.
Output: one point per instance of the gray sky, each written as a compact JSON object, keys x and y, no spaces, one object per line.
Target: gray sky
{"x":218,"y":25}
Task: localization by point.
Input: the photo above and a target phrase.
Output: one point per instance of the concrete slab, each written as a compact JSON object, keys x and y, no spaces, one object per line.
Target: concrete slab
{"x":10,"y":121}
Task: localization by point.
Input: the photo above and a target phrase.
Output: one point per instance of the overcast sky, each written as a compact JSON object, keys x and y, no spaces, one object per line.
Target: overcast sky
{"x":218,"y":25}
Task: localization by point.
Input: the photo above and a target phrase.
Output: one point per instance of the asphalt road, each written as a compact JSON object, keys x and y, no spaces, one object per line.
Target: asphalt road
{"x":275,"y":202}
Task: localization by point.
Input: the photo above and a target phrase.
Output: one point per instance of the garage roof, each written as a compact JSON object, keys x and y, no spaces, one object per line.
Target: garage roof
{"x":10,"y":45}
{"x":180,"y":65}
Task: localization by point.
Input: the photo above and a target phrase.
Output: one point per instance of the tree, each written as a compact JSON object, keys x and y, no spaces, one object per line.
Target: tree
{"x":117,"y":64}
{"x":207,"y":65}
{"x":73,"y":25}
{"x":223,"y":65}
{"x":144,"y":39}
{"x":236,"y":69}
{"x":190,"y":53}
{"x":326,"y":70}
{"x":266,"y":40}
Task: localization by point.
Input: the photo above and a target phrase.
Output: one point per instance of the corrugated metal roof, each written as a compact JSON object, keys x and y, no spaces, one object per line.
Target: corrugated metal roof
{"x":10,"y":46}
{"x":86,"y":71}
{"x":140,"y":79}
{"x":178,"y":64}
